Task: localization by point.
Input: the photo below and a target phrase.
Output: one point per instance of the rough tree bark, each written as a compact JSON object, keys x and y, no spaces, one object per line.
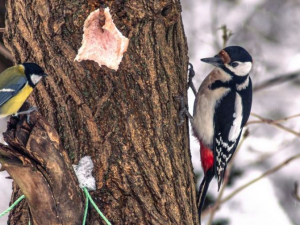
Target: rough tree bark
{"x":126,"y":120}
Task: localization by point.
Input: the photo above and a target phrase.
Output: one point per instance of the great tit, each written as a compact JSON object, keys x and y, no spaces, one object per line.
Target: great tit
{"x":16,"y":84}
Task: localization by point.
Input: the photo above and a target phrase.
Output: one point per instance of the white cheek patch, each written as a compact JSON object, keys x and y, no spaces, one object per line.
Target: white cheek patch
{"x":242,"y":69}
{"x":35,"y":78}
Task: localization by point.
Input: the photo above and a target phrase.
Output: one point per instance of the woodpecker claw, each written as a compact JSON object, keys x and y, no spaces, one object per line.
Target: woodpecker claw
{"x":191,"y":75}
{"x":183,"y":110}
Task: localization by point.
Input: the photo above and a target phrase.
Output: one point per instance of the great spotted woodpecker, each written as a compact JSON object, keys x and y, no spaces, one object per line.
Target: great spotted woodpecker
{"x":222,"y":108}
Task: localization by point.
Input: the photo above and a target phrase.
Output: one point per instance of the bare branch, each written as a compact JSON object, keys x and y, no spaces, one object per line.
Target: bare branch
{"x":219,"y":202}
{"x":277,"y":80}
{"x":270,"y":121}
{"x":275,"y":123}
{"x":226,"y":179}
{"x":226,"y":34}
{"x":2,"y":30}
{"x":267,"y":173}
{"x":286,"y":129}
{"x":5,"y":52}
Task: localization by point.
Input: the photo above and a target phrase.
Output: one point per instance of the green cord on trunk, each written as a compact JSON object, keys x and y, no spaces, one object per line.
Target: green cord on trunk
{"x":86,"y":209}
{"x":89,"y":198}
{"x":13,"y":205}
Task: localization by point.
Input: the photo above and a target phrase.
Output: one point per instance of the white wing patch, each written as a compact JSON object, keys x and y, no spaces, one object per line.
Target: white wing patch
{"x":237,"y":122}
{"x":7,"y":90}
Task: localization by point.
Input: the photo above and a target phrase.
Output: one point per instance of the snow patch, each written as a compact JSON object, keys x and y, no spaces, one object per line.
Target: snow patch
{"x":3,"y":128}
{"x":102,"y":42}
{"x":84,"y":171}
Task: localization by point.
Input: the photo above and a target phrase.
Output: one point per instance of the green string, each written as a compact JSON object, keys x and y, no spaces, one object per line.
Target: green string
{"x":88,"y":196}
{"x":85,"y":210}
{"x":13,"y":205}
{"x":87,"y":199}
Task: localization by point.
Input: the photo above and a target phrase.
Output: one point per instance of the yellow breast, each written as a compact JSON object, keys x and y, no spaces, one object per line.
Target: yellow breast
{"x":14,"y":104}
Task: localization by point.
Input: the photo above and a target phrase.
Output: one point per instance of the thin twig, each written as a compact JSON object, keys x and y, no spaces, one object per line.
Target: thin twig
{"x":275,"y":123}
{"x":273,"y":170}
{"x":269,"y":121}
{"x":226,"y":34}
{"x":217,"y":203}
{"x":2,"y":30}
{"x":286,"y":129}
{"x":266,"y":156}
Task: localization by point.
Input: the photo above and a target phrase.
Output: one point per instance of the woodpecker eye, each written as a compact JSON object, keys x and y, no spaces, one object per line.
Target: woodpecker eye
{"x":234,"y":64}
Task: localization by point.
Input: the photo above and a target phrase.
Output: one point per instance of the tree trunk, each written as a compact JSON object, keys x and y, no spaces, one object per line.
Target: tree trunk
{"x":126,"y":120}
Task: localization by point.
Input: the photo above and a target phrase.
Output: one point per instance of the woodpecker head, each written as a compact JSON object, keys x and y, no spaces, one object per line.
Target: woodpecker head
{"x":233,"y":59}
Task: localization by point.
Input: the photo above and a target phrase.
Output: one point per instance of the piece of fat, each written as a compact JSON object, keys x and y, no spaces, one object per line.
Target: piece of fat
{"x":102,"y":42}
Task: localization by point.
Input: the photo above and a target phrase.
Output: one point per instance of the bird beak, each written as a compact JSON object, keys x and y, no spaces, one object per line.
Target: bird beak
{"x":216,"y":61}
{"x":44,"y":75}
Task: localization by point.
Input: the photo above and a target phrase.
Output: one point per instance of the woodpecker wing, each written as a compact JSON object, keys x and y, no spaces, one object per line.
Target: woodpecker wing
{"x":10,"y":86}
{"x":223,"y":146}
{"x":231,"y":114}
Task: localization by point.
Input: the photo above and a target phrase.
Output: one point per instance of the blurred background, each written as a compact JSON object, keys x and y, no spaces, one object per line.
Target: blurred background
{"x":269,"y":30}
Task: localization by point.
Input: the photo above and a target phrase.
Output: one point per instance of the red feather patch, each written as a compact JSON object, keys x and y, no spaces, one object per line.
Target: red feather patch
{"x":207,"y":157}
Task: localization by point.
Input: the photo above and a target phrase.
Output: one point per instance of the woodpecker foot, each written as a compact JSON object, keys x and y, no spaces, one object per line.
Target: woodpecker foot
{"x":27,"y":112}
{"x":191,"y":75}
{"x":183,"y":110}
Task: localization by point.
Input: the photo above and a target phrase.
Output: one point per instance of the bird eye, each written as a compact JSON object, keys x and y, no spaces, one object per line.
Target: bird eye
{"x":234,"y":64}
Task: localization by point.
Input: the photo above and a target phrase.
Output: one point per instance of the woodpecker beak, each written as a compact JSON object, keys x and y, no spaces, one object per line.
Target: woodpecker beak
{"x":44,"y":75}
{"x":216,"y":61}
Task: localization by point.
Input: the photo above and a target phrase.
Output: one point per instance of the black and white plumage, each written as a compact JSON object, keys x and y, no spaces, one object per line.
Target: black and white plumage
{"x":222,"y":108}
{"x":231,"y":114}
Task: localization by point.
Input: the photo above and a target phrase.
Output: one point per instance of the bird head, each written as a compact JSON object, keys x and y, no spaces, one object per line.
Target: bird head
{"x":34,"y":73}
{"x":233,"y":59}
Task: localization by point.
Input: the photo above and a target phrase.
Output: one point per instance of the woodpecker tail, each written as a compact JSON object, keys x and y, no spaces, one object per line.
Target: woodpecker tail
{"x":203,"y":190}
